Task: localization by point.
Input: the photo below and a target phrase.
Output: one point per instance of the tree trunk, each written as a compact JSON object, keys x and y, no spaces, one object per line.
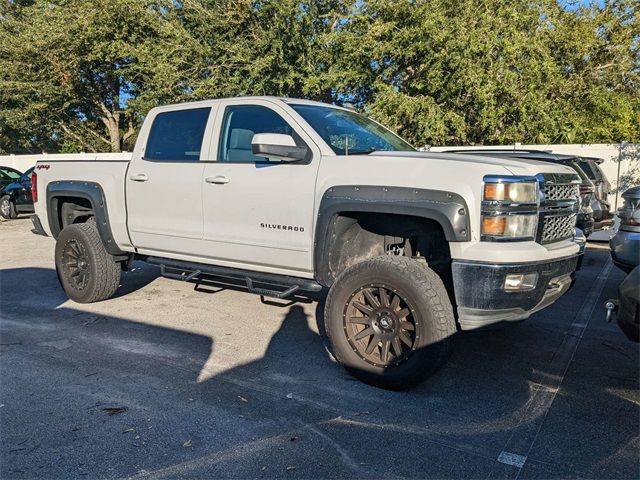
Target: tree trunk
{"x":111,"y":120}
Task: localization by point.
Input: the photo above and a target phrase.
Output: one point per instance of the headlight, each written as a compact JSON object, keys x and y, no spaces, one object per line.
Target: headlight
{"x":510,"y":227}
{"x":520,"y":192}
{"x":509,"y":208}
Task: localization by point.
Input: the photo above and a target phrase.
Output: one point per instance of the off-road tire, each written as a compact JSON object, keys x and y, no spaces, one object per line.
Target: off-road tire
{"x":103,"y":272}
{"x":434,"y":323}
{"x":7,"y":208}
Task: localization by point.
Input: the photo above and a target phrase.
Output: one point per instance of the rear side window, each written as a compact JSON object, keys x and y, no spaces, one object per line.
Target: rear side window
{"x":177,"y":135}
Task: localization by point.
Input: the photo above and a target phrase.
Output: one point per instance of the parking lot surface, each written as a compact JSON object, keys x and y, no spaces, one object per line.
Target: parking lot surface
{"x":171,"y":379}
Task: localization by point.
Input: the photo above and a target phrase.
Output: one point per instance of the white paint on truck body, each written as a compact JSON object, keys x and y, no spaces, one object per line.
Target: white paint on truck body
{"x":179,"y":212}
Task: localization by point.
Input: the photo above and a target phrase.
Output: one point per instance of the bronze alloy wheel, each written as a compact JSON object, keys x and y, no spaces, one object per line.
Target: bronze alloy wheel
{"x":75,"y":264}
{"x":380,"y":325}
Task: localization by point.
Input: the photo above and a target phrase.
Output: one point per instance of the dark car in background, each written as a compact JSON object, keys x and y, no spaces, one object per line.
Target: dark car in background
{"x":585,"y":220}
{"x":625,"y":244}
{"x":15,"y":198}
{"x":626,"y":308}
{"x":8,"y":175}
{"x":602,"y":215}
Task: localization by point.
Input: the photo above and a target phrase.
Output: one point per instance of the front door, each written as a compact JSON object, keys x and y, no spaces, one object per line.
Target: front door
{"x":258,"y":213}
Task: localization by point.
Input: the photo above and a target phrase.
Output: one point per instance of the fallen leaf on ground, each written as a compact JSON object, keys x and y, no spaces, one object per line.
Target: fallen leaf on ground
{"x":115,"y":410}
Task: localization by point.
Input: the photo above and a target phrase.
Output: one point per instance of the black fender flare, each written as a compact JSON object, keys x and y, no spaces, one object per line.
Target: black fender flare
{"x":90,"y":191}
{"x":448,"y":209}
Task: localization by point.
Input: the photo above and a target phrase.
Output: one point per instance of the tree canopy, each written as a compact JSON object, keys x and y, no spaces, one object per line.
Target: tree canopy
{"x":79,"y":75}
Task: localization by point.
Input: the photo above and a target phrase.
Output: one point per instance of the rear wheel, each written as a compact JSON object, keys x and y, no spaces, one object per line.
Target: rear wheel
{"x":7,"y":208}
{"x":86,"y":271}
{"x":389,"y":321}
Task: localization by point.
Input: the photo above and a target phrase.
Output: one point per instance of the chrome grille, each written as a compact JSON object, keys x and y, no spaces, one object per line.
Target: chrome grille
{"x":557,"y":228}
{"x":561,"y":192}
{"x":558,"y":207}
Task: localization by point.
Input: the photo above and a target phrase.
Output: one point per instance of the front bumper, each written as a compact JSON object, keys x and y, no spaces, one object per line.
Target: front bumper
{"x":482,"y":300}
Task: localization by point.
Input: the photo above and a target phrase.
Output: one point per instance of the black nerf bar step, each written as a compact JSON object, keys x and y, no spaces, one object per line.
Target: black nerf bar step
{"x":284,"y":285}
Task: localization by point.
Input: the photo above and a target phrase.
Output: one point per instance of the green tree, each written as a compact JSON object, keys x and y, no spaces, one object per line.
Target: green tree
{"x":68,"y":69}
{"x":80,"y":75}
{"x":243,"y":47}
{"x":468,"y":72}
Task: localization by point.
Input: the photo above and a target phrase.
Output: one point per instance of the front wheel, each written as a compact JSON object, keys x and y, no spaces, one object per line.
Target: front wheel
{"x":389,"y":321}
{"x":87,"y":272}
{"x":7,"y":208}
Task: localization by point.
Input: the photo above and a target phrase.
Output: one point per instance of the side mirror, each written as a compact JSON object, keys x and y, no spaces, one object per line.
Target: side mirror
{"x":277,"y":145}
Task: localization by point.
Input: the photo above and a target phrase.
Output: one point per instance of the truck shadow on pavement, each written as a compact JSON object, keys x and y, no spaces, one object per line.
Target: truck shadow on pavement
{"x":191,"y":410}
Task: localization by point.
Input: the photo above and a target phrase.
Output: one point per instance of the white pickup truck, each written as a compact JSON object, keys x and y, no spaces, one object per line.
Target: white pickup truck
{"x":293,"y":196}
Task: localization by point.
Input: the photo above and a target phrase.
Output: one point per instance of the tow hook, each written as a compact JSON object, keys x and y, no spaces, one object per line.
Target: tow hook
{"x":612,"y":308}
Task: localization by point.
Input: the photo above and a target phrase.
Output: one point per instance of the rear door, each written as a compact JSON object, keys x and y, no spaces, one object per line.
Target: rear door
{"x":164,"y":182}
{"x":258,"y":213}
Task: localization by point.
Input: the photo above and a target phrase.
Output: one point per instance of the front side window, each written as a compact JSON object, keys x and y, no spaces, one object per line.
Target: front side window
{"x":177,"y":135}
{"x":240,"y":124}
{"x":349,"y":133}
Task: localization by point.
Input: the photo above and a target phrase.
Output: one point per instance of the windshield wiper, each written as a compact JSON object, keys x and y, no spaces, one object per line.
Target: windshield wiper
{"x":363,"y":152}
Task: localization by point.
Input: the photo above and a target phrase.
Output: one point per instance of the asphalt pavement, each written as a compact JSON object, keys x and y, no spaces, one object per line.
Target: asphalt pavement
{"x":178,"y":380}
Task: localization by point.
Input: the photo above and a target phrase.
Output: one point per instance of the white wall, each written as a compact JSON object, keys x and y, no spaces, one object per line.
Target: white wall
{"x":19,"y":162}
{"x":609,"y":152}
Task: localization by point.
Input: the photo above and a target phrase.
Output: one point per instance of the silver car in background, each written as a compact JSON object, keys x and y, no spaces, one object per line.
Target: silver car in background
{"x":625,"y":245}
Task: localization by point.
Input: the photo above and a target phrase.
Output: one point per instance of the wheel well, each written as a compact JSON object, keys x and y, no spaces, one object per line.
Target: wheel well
{"x":70,"y":210}
{"x":356,"y":236}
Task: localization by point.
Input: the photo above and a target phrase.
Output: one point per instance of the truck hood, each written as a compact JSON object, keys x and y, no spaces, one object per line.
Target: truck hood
{"x":516,"y":166}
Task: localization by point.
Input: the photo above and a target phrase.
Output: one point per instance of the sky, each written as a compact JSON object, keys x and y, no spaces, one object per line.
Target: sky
{"x":573,"y":4}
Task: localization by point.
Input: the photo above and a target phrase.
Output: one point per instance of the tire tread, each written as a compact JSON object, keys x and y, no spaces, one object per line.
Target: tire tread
{"x":107,"y":276}
{"x":443,"y":324}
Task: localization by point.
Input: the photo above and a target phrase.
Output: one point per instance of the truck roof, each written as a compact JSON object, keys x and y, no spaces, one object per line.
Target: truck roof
{"x":272,"y":98}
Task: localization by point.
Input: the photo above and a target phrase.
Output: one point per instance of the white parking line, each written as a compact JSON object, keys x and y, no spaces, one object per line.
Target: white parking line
{"x":521,"y":441}
{"x":512,"y":459}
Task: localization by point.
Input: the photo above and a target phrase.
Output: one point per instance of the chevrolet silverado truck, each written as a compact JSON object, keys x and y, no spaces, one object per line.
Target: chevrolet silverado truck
{"x":293,"y":196}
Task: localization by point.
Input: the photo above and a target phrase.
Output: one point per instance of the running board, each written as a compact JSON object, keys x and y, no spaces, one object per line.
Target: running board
{"x":283,"y":285}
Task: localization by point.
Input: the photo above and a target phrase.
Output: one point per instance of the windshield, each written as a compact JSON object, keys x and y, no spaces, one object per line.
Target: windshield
{"x":349,"y":133}
{"x":7,"y":174}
